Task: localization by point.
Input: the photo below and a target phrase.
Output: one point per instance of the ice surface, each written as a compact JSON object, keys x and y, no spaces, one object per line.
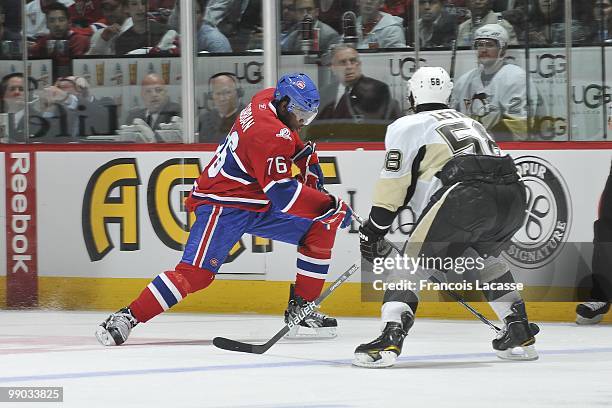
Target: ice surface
{"x":170,"y":362}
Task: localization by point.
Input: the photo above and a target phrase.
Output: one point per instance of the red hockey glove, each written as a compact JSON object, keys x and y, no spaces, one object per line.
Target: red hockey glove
{"x":338,"y":216}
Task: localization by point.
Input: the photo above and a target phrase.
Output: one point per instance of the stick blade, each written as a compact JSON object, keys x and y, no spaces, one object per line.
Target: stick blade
{"x":233,"y":345}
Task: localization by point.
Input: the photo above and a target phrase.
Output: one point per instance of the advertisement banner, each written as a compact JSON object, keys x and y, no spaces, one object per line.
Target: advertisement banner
{"x":21,"y":225}
{"x":119,"y":214}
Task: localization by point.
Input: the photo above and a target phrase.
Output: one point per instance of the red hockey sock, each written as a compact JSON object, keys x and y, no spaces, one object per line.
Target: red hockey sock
{"x":169,"y":288}
{"x":308,"y":288}
{"x":314,"y":256}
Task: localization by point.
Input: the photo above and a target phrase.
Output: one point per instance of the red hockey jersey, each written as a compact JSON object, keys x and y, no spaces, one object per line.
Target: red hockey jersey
{"x":251,"y":169}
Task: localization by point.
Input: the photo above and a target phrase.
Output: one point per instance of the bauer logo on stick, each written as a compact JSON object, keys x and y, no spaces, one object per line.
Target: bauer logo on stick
{"x":307,"y":310}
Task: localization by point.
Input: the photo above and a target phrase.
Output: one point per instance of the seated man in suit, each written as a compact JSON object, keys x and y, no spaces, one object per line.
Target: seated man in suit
{"x":216,"y":122}
{"x":53,"y":114}
{"x":91,"y":115}
{"x":12,"y":101}
{"x":157,"y":105}
{"x":340,"y":97}
{"x":371,"y":100}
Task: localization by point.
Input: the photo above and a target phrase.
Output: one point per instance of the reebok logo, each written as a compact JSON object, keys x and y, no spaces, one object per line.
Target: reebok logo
{"x":21,"y":230}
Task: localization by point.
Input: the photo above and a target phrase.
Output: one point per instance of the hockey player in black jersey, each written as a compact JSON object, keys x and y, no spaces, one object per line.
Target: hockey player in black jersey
{"x":469,"y":202}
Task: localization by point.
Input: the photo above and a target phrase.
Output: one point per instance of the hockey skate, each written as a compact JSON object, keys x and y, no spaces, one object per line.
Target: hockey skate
{"x":315,"y":324}
{"x":516,"y":339}
{"x":115,"y":330}
{"x":384,"y":350}
{"x":591,"y":312}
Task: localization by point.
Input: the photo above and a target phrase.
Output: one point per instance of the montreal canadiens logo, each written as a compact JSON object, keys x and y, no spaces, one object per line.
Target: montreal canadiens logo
{"x":547,"y":226}
{"x":300,"y":84}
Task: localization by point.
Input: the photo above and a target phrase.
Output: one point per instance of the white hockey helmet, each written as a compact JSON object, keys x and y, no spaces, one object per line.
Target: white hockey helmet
{"x":493,"y":32}
{"x":430,"y":85}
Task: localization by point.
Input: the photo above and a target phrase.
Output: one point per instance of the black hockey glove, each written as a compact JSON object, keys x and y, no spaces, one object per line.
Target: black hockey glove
{"x":372,"y":243}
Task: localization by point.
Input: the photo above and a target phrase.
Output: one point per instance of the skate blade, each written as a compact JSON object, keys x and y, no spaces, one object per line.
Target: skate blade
{"x":104,"y":337}
{"x":387,"y":359}
{"x":301,"y":332}
{"x":586,"y":321}
{"x":527,"y":353}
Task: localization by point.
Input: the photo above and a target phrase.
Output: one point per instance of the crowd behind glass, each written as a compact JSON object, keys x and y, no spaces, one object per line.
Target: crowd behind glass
{"x":101,"y":37}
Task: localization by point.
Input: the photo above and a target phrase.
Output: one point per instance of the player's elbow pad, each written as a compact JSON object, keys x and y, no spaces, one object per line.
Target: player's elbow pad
{"x":294,"y":198}
{"x":283,"y":193}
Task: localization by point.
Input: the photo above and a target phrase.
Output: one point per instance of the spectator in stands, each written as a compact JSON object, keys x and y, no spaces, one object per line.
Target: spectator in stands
{"x":502,"y":5}
{"x":238,"y":20}
{"x":6,"y":34}
{"x":12,"y":101}
{"x":161,"y":10}
{"x":224,"y":14}
{"x":603,"y":20}
{"x":59,"y":110}
{"x":36,"y":20}
{"x":517,"y":16}
{"x":401,"y":8}
{"x":164,"y":5}
{"x":547,"y":21}
{"x":143,"y":33}
{"x":225,"y":94}
{"x":157,"y":105}
{"x":332,"y":11}
{"x":495,"y":93}
{"x":371,"y":100}
{"x":482,"y":14}
{"x":84,"y":13}
{"x":209,"y":37}
{"x":251,"y":25}
{"x":289,"y":20}
{"x":351,"y":88}
{"x":61,"y":44}
{"x":405,"y":10}
{"x":327,"y":35}
{"x":59,"y":30}
{"x":116,"y":21}
{"x":91,"y":116}
{"x":13,"y":10}
{"x":377,"y":29}
{"x":437,"y":28}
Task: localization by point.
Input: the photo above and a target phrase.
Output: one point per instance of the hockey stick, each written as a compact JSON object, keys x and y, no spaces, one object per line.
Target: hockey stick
{"x":453,"y":58}
{"x":234,"y":345}
{"x":452,"y":293}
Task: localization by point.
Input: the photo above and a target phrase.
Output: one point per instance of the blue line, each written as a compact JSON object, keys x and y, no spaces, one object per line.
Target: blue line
{"x":93,"y":374}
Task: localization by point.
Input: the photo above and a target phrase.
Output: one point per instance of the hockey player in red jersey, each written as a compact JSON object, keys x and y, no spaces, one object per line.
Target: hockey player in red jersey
{"x":248,"y":188}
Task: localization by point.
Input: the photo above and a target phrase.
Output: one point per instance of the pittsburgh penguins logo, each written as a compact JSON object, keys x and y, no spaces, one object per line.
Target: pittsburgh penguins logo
{"x":479,"y":105}
{"x":548,"y":221}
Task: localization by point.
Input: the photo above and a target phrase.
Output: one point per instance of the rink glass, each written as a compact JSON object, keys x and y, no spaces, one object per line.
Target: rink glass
{"x":568,"y":100}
